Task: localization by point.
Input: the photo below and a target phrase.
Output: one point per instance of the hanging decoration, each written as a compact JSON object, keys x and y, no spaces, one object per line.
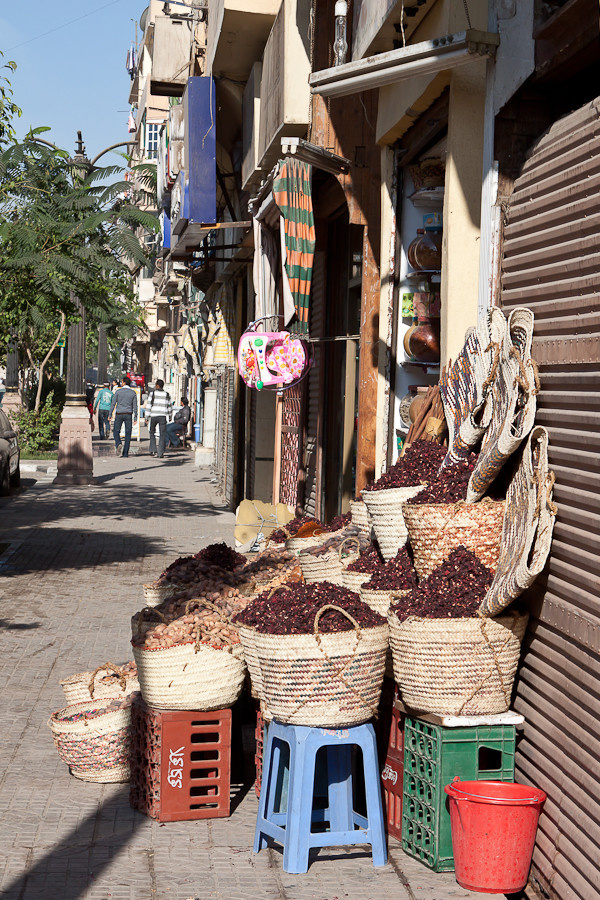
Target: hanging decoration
{"x":292,"y":194}
{"x":275,"y":360}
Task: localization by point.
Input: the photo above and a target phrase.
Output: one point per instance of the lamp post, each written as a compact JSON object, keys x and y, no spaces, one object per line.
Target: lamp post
{"x":12,"y":397}
{"x":75,"y":457}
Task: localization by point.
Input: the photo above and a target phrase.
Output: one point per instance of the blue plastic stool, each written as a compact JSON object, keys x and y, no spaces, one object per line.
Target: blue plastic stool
{"x":292,"y":827}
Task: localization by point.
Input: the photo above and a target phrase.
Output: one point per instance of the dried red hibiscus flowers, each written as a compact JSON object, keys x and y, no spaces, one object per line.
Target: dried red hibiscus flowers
{"x":398,"y":574}
{"x":454,"y":590}
{"x":419,"y":464}
{"x":222,"y":556}
{"x":338,"y":522}
{"x":293,"y":611}
{"x":369,"y":561}
{"x":450,"y":485}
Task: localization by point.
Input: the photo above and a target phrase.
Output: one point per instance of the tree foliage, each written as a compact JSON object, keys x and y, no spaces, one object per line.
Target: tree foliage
{"x":69,"y":239}
{"x":8,"y":107}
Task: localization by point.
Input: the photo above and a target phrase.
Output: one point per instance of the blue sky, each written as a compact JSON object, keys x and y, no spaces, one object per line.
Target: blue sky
{"x":74,"y":77}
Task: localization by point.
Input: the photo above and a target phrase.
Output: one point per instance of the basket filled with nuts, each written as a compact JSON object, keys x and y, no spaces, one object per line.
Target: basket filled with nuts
{"x":190,"y":660}
{"x":321,"y":653}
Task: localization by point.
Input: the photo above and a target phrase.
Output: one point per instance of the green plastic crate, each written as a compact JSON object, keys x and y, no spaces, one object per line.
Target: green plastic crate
{"x":433,"y":756}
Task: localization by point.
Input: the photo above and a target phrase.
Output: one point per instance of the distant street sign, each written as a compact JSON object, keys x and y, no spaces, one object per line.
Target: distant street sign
{"x":62,"y":342}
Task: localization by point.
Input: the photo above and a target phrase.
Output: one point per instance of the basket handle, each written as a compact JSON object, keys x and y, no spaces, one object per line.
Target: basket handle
{"x":352,"y":537}
{"x":108,"y":666}
{"x":141,"y":615}
{"x":344,"y":612}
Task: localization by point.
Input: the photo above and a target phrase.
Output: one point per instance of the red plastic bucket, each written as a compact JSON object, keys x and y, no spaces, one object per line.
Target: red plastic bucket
{"x":493,"y":832}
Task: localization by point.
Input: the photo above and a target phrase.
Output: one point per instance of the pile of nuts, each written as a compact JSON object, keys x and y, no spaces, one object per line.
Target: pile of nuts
{"x":454,"y":590}
{"x":200,"y":621}
{"x":419,"y":464}
{"x":293,"y":611}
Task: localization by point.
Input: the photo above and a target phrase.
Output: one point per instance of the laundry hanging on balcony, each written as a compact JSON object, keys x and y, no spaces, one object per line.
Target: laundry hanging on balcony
{"x":292,"y":194}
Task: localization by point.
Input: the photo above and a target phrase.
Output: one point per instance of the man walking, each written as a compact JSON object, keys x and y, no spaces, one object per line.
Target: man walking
{"x":179,"y":424}
{"x":103,"y":404}
{"x":124,"y":407}
{"x":159,"y":408}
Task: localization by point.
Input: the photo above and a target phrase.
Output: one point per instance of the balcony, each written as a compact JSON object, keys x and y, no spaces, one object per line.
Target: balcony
{"x":282,"y":102}
{"x":376,"y":24}
{"x":237,"y":33}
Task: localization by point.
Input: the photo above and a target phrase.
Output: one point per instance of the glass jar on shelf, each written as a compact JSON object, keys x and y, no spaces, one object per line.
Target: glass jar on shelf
{"x":427,"y":251}
{"x":410,"y":253}
{"x":424,"y":340}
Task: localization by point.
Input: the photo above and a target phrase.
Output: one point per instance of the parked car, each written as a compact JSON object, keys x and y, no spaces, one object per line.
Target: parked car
{"x":10,"y":475}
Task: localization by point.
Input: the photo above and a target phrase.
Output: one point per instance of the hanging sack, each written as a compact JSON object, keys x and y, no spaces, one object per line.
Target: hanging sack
{"x":456,"y":667}
{"x":513,"y":403}
{"x":528,"y":526}
{"x":466,"y":387}
{"x":94,"y":739}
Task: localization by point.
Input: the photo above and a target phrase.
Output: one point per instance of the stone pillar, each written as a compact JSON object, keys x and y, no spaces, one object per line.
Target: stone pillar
{"x":75,"y":463}
{"x":102,"y":354}
{"x":12,"y":399}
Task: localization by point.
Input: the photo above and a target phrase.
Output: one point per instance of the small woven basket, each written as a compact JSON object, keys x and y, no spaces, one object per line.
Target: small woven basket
{"x":298,"y":544}
{"x":436,"y":529}
{"x":80,"y":687}
{"x":459,"y":667}
{"x":158,"y":591}
{"x":354,"y":580}
{"x":360,"y":516}
{"x":95,"y":749}
{"x":190,"y":675}
{"x":385,"y":509}
{"x":323,"y":680}
{"x":327,"y":566}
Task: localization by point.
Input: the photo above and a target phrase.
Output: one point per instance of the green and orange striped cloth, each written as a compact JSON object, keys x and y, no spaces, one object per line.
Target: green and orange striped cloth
{"x":292,"y":194}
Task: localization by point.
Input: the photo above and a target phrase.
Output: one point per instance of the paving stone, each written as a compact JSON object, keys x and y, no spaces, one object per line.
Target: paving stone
{"x":69,"y":584}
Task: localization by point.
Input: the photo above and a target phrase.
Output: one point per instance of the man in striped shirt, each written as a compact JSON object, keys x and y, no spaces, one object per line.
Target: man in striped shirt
{"x":159,"y":409}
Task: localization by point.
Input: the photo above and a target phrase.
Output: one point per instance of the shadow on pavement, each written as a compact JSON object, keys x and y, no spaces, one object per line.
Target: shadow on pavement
{"x":77,"y":861}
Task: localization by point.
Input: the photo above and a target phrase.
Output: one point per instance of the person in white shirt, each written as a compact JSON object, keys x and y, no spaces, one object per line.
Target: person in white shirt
{"x":159,"y":409}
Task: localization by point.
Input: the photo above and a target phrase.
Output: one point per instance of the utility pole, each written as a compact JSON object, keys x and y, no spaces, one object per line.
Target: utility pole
{"x":12,"y":398}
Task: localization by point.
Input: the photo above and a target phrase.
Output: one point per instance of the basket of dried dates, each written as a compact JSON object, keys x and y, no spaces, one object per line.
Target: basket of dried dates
{"x":321,"y":653}
{"x":447,"y":658}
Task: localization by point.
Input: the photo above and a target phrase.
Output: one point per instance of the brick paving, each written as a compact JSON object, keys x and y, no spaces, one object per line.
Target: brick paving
{"x":69,"y":582}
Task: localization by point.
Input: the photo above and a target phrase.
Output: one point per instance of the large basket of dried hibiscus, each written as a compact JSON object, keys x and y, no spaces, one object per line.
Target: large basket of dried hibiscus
{"x":405,"y":479}
{"x":439,"y":520}
{"x":447,"y":658}
{"x":321,"y":653}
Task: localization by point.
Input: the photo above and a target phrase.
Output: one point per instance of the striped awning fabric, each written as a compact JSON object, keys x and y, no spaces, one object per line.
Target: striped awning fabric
{"x":292,"y":193}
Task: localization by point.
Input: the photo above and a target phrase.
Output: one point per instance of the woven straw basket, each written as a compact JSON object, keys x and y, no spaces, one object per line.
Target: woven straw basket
{"x":298,"y":544}
{"x":327,"y":566}
{"x":354,"y":580}
{"x":95,"y":749}
{"x":457,"y":667}
{"x":80,"y":687}
{"x":385,"y":509}
{"x":360,"y":516}
{"x":436,"y":529}
{"x":249,"y":646}
{"x":323,"y":680}
{"x":377,"y":600}
{"x":190,"y":675}
{"x":158,"y":591}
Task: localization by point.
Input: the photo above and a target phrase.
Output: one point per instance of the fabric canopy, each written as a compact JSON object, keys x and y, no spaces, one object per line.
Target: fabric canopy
{"x":292,"y":193}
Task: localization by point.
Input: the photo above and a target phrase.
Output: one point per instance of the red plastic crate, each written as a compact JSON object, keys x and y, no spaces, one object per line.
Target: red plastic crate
{"x":181,"y":763}
{"x":258,"y":755}
{"x":392,"y":780}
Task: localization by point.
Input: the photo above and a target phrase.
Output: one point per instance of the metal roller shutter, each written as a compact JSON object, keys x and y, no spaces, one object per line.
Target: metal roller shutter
{"x":312,"y":453}
{"x":551,"y":263}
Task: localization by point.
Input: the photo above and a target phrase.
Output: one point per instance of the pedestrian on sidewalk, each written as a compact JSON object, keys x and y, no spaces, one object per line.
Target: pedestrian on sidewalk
{"x":103,"y":404}
{"x":179,"y":424}
{"x":159,"y":409}
{"x":124,"y":408}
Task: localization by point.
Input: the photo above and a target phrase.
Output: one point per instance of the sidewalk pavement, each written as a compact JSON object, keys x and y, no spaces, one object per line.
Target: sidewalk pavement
{"x":72,"y":564}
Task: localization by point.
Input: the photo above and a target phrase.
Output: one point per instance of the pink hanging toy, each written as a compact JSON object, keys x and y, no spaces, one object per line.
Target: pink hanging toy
{"x":272,"y":359}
